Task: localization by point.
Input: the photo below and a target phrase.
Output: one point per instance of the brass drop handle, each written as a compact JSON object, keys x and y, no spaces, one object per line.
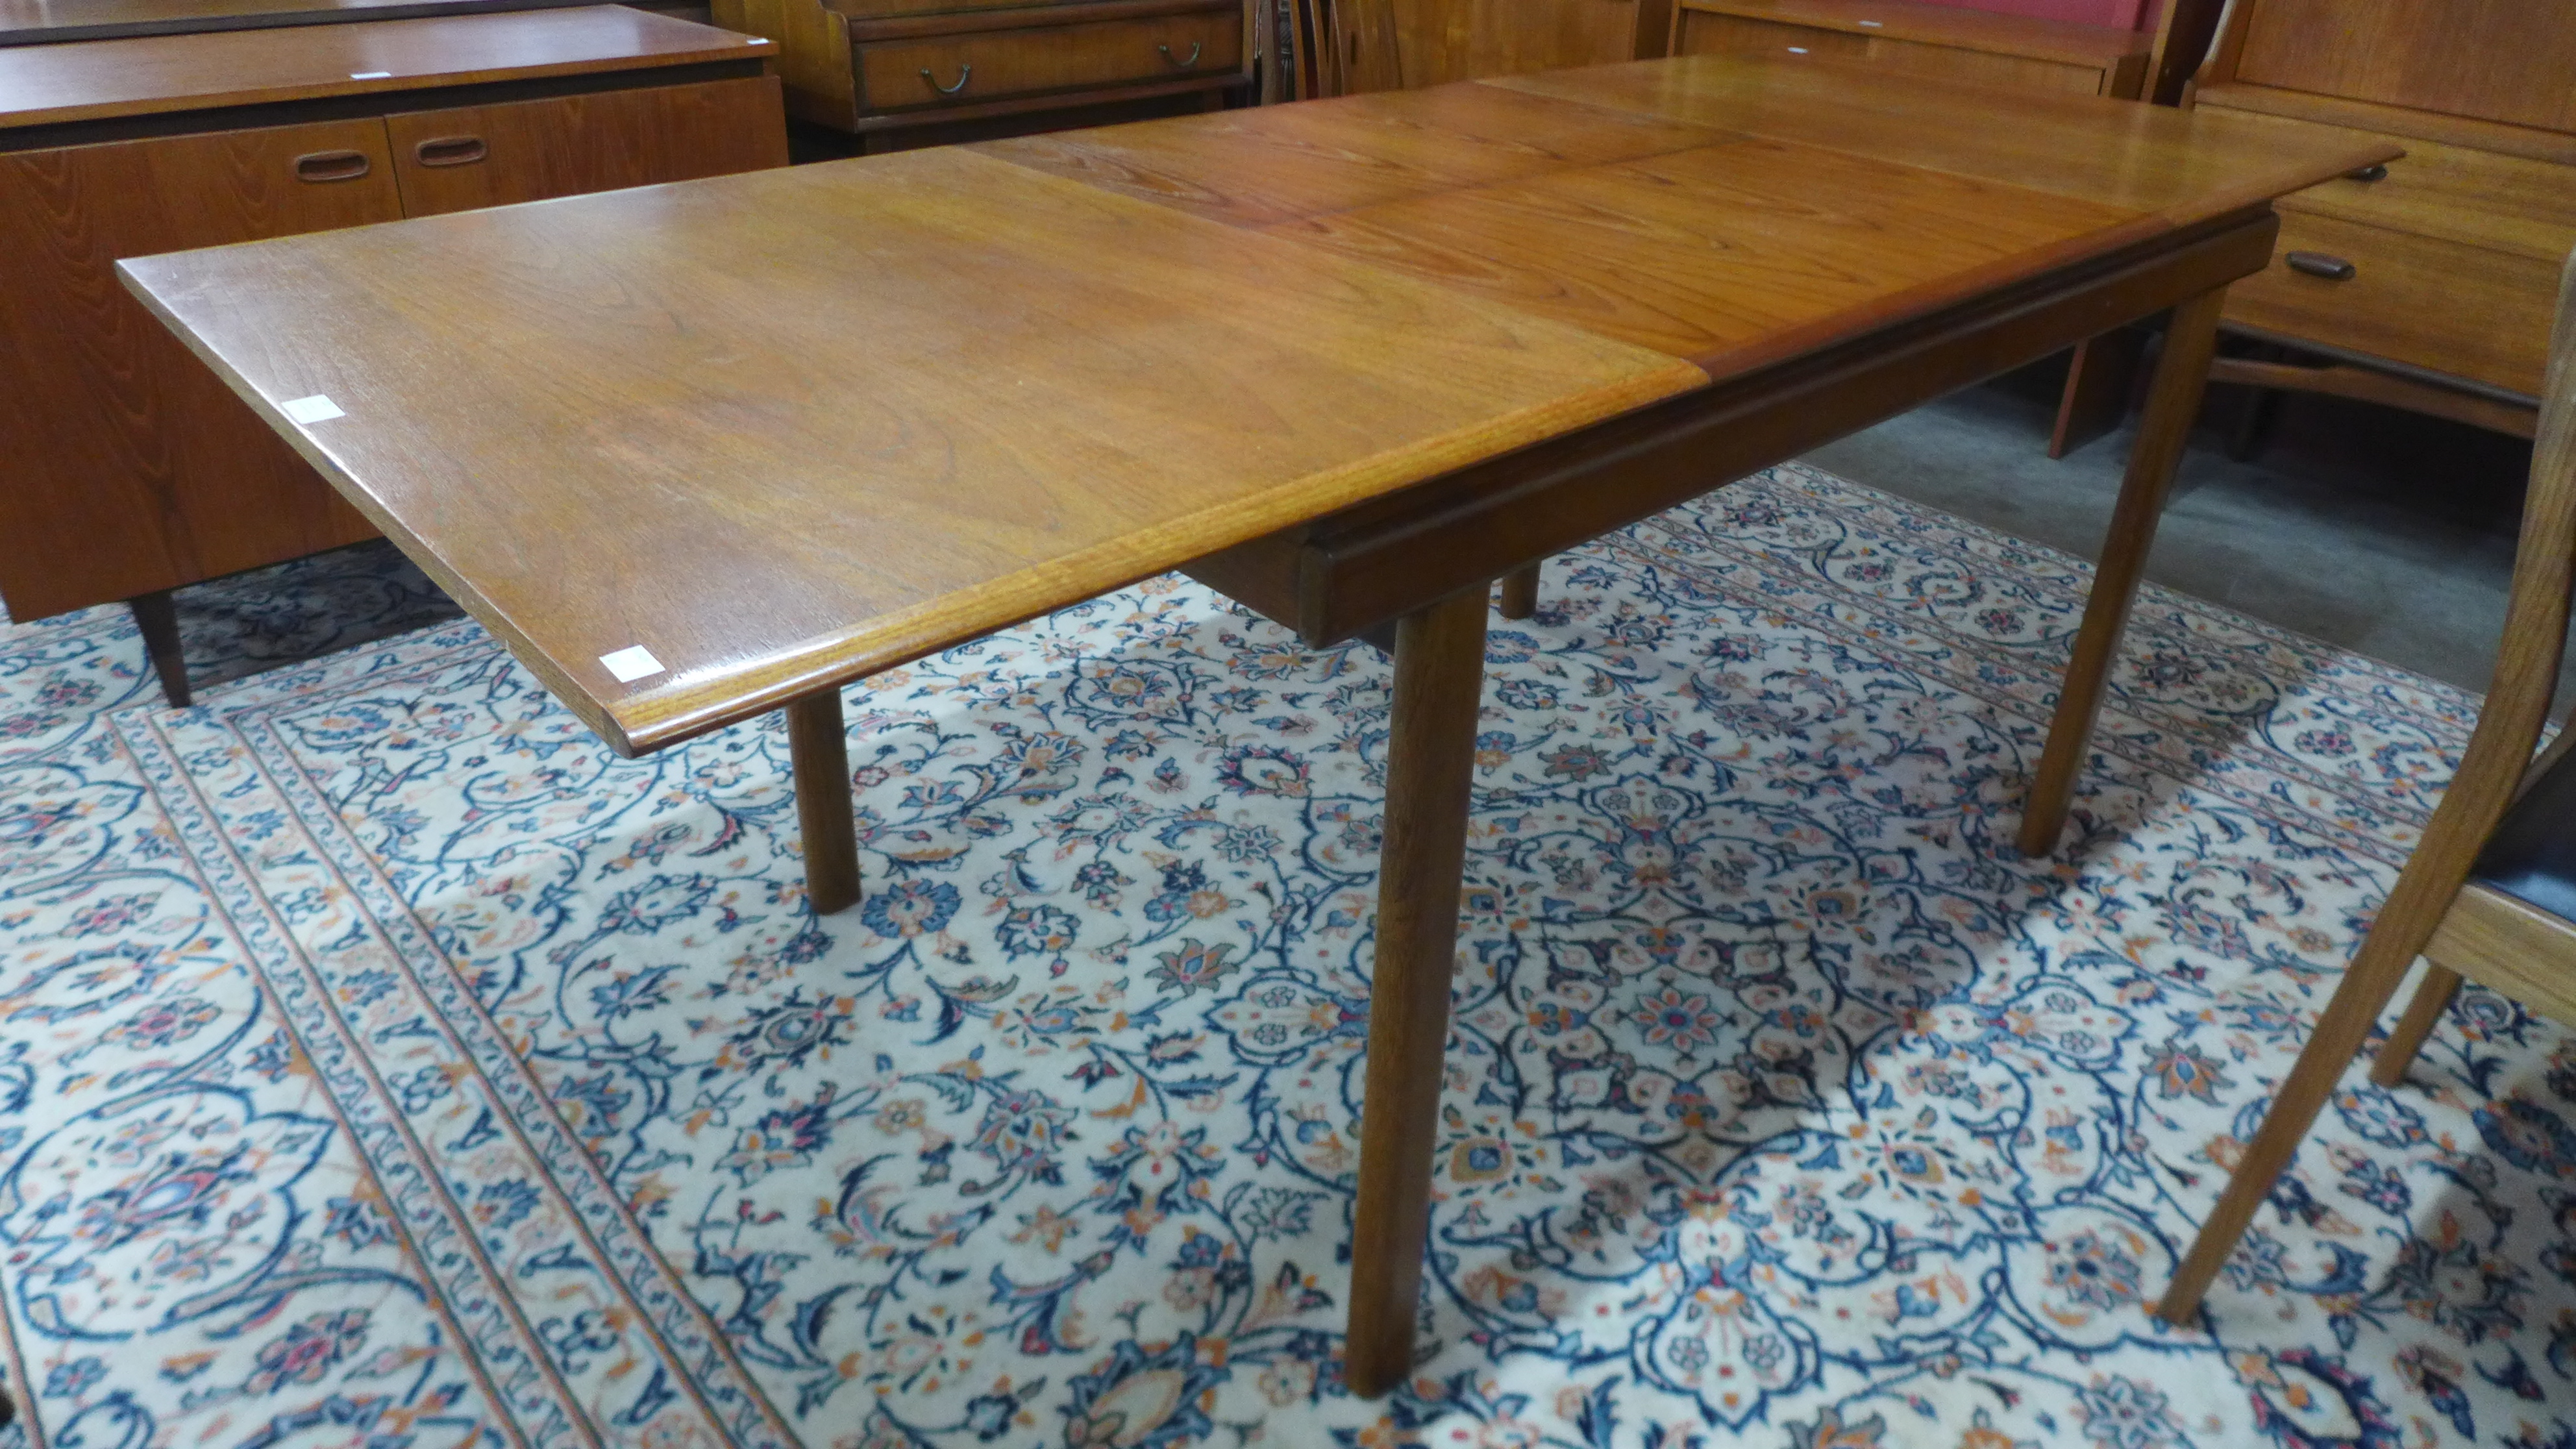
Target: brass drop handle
{"x":451,"y":151}
{"x":2318,"y":264}
{"x":1193,"y":59}
{"x":2377,"y":171}
{"x":963,"y":71}
{"x":320,"y":166}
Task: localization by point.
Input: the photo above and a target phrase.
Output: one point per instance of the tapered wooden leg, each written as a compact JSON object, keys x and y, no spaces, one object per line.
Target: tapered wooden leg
{"x":2172,"y":401}
{"x":155,"y":616}
{"x":1520,"y":592}
{"x":825,"y":811}
{"x":1430,"y":758}
{"x":2396,"y":1054}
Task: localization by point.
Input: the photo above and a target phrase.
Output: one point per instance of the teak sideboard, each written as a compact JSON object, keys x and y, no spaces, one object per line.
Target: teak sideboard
{"x":132,"y":469}
{"x":2427,"y":283}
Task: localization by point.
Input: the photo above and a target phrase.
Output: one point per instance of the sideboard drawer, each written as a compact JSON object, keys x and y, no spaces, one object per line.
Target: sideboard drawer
{"x":2466,"y":311}
{"x":961,"y":70}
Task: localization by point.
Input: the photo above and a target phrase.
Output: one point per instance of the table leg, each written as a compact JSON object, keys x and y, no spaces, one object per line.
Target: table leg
{"x":158,"y":620}
{"x":1430,"y":763}
{"x":2173,"y":400}
{"x":1520,"y":592}
{"x":819,"y":751}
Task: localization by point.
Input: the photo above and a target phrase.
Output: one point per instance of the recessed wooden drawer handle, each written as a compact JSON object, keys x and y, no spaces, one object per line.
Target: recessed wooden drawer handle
{"x":330,"y":166}
{"x":1180,"y":63}
{"x":963,"y":71}
{"x":2318,"y":264}
{"x":451,"y":151}
{"x":2376,"y":172}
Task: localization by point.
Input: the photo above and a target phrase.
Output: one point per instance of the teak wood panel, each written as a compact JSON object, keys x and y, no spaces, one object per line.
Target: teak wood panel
{"x":2181,"y":167}
{"x":131,"y":467}
{"x":1278,"y":163}
{"x":1721,"y":253}
{"x":87,"y":80}
{"x":2465,"y":311}
{"x":880,"y":406}
{"x":951,"y":70}
{"x":461,"y":157}
{"x":2512,"y":61}
{"x":1705,"y":32}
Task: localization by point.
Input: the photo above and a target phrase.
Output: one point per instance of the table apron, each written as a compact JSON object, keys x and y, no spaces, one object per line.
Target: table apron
{"x":1356,"y":570}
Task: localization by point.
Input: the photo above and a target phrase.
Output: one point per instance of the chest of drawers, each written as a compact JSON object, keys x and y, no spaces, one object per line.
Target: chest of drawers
{"x":888,"y":70}
{"x":2428,"y":283}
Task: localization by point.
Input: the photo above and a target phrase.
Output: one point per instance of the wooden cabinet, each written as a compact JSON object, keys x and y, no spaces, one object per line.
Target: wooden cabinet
{"x":897,"y":71}
{"x":2429,"y":283}
{"x":132,"y":468}
{"x":1938,"y":40}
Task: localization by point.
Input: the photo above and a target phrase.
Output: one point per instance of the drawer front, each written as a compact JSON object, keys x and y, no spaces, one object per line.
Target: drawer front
{"x":1706,"y":33}
{"x":2462,"y":310}
{"x":2507,"y":202}
{"x":470,"y":156}
{"x":964,"y":70}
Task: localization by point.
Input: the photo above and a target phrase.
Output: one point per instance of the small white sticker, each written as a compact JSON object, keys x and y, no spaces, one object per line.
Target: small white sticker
{"x":315,"y":409}
{"x":631,"y":663}
{"x":371,"y":75}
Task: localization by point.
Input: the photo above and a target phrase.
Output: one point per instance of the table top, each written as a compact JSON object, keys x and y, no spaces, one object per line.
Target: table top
{"x":93,"y":79}
{"x":46,"y":22}
{"x":790,"y":428}
{"x":2035,"y":36}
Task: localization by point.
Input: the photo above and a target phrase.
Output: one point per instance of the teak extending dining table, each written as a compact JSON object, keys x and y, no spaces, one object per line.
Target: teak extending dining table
{"x":700,"y":451}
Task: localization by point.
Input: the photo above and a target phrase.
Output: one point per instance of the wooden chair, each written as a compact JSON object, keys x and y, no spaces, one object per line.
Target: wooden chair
{"x":2491,"y":890}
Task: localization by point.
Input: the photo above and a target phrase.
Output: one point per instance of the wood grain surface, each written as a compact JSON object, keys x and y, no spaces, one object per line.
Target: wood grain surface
{"x":1281,"y":163}
{"x":789,"y":428}
{"x":92,"y":79}
{"x":2178,"y":166}
{"x":2099,"y":47}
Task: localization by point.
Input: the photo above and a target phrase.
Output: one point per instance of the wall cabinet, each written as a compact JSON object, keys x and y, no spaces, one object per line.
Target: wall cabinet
{"x":133,"y":469}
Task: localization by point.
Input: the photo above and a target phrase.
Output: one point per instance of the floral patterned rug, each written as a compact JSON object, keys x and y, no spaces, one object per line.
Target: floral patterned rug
{"x":386,"y":1064}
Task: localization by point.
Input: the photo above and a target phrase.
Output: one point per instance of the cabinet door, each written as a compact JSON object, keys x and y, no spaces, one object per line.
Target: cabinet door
{"x":469,"y":156}
{"x":131,"y":467}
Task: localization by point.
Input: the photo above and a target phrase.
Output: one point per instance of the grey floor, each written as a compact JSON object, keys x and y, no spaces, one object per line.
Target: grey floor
{"x":2388,"y":533}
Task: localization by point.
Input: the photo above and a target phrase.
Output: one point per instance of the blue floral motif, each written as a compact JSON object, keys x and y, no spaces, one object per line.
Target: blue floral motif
{"x":389,"y":1063}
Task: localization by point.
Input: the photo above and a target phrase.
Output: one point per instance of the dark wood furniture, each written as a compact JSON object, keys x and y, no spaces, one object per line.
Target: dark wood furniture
{"x":2490,"y":891}
{"x":897,"y":72}
{"x":2425,"y":284}
{"x":1348,"y":361}
{"x":133,"y":471}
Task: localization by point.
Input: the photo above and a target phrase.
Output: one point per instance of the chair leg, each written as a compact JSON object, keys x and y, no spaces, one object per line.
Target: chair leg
{"x":2423,"y":1013}
{"x":1520,"y":592}
{"x":2367,"y":984}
